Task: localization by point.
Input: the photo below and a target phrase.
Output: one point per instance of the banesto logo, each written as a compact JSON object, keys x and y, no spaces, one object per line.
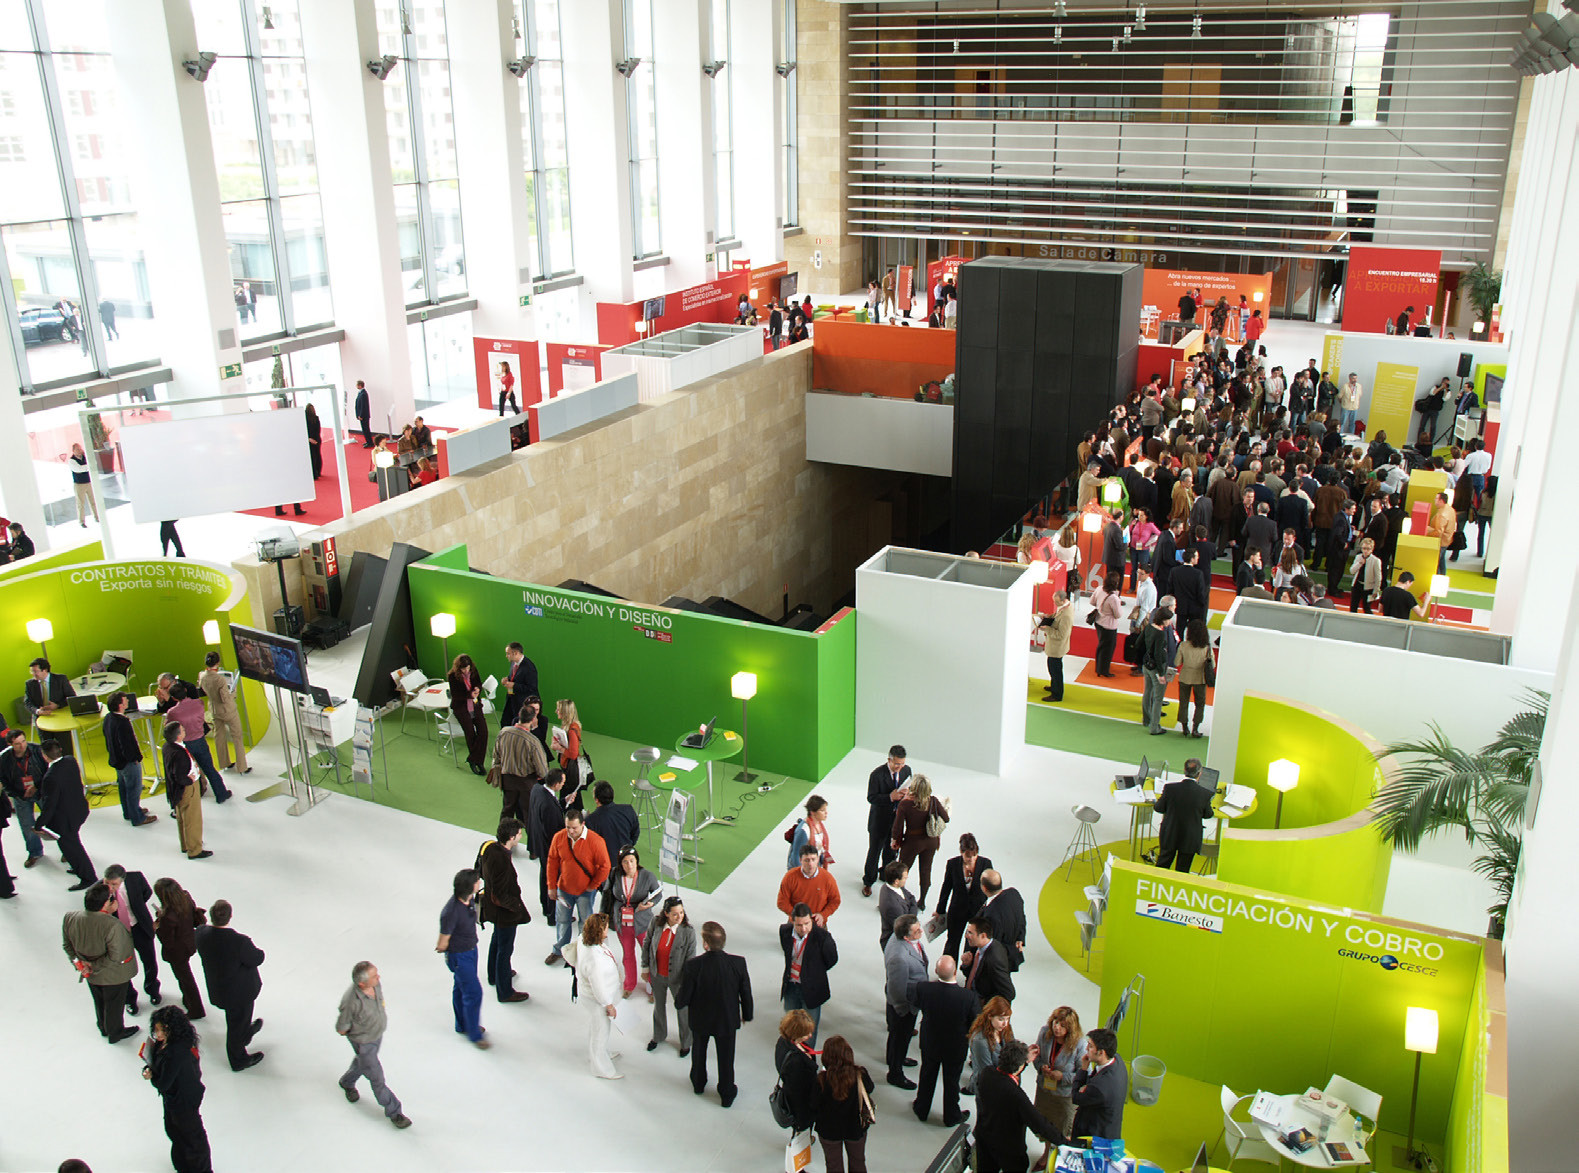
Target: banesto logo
{"x":1388,"y":962}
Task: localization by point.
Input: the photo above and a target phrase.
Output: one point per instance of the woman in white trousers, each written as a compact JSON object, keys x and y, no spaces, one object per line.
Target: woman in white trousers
{"x":598,"y":984}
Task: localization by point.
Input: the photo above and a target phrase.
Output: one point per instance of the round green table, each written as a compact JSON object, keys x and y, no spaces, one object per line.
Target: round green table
{"x":61,"y":721}
{"x":726,"y":744}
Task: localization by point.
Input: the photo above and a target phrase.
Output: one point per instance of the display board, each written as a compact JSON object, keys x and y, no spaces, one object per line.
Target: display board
{"x":1162,"y":288}
{"x":712,"y":301}
{"x":263,"y":456}
{"x":1259,"y":991}
{"x":269,"y":658}
{"x":572,"y":368}
{"x":1392,"y":402}
{"x":522,"y":355}
{"x":1380,"y":282}
{"x":646,"y":674}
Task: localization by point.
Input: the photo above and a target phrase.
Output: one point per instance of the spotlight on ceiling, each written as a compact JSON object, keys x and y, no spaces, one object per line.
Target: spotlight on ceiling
{"x":784,"y":68}
{"x":713,"y":68}
{"x":1195,"y":29}
{"x":199,"y":68}
{"x":521,"y":65}
{"x":628,"y":66}
{"x":382,"y":67}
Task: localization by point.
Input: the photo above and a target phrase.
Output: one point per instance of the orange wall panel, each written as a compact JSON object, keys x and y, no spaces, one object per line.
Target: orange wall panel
{"x":892,"y":361}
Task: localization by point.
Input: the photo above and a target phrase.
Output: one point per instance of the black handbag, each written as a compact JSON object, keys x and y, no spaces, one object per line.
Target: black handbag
{"x":779,"y":1105}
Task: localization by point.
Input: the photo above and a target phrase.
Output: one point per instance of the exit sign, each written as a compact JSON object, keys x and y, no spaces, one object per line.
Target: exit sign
{"x":525,"y":299}
{"x":230,"y":371}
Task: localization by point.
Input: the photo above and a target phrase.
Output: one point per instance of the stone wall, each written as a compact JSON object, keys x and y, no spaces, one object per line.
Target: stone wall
{"x":705,"y":491}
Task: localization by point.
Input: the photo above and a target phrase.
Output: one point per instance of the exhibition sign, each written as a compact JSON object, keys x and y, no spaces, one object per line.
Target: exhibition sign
{"x":521,"y":355}
{"x":712,"y":301}
{"x":1380,"y":283}
{"x":1392,"y":402}
{"x":571,"y":368}
{"x":1163,"y":288}
{"x":1255,"y":990}
{"x":645,"y":673}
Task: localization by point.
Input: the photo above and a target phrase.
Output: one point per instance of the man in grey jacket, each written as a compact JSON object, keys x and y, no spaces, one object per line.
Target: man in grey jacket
{"x":101,"y":948}
{"x":362,"y":1021}
{"x":905,"y":965}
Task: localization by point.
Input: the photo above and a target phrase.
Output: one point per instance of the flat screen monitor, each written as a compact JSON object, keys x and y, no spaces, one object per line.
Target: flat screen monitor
{"x":652,"y":308}
{"x":1493,"y":388}
{"x":270,"y":659}
{"x":788,"y":285}
{"x":1209,"y":777}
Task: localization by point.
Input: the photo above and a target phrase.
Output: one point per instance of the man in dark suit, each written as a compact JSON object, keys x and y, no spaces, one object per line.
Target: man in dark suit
{"x":1100,"y":1090}
{"x":716,"y":989}
{"x":1164,"y":556}
{"x":46,"y":691}
{"x":131,"y":891}
{"x":1182,"y":805}
{"x":1189,"y":589}
{"x":363,"y":410}
{"x":230,"y":967}
{"x":947,"y":1009}
{"x":519,"y":683}
{"x":1005,"y":909}
{"x":904,"y":970}
{"x":545,"y":818}
{"x":1006,"y":1112}
{"x":63,"y":808}
{"x":501,"y":905}
{"x":1115,"y":551}
{"x":615,"y":821}
{"x":809,"y":953}
{"x":986,"y":963}
{"x":884,"y":789}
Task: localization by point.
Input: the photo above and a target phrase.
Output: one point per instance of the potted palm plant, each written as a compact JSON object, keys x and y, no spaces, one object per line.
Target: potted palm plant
{"x":99,"y":436}
{"x":1436,"y":785}
{"x":1483,"y":290}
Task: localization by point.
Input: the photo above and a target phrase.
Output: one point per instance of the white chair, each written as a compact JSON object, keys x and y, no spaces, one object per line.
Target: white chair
{"x":450,"y":732}
{"x":1084,"y":845}
{"x":1099,"y":890}
{"x":490,"y":689}
{"x":409,"y":683}
{"x":1096,"y":908}
{"x":649,"y":807}
{"x":1362,"y":1101}
{"x":1241,"y":1138}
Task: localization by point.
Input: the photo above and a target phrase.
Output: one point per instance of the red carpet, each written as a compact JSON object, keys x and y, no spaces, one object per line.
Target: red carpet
{"x":325,"y":507}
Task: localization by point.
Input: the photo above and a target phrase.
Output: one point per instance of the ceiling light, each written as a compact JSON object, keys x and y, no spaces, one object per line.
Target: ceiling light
{"x":1060,"y":9}
{"x":1058,"y":34}
{"x":713,"y":68}
{"x":382,"y":67}
{"x":405,"y":21}
{"x":268,"y":17}
{"x":1128,"y":30}
{"x":1140,"y":19}
{"x":199,"y":68}
{"x":628,"y":66}
{"x":1195,"y":29}
{"x":521,"y":65}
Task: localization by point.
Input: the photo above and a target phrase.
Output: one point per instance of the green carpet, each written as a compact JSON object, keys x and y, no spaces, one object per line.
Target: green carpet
{"x":1104,"y":737}
{"x":1086,"y":698}
{"x":1472,"y":599}
{"x":1471,"y":580}
{"x":423,"y":782}
{"x":1063,"y":895}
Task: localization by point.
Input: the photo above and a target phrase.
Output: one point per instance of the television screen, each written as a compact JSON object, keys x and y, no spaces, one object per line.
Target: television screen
{"x":652,"y":308}
{"x":787,"y":286}
{"x":1493,"y":388}
{"x":269,"y":658}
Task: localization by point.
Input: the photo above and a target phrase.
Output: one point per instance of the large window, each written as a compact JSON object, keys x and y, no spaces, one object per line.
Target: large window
{"x":723,"y":127}
{"x":786,"y":69}
{"x":268,"y":175}
{"x":421,"y":120}
{"x":641,"y":104}
{"x":72,"y":275}
{"x":543,"y":129}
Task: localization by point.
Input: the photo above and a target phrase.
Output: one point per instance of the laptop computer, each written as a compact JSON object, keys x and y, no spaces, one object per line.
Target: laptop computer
{"x":83,"y":706}
{"x":1209,"y":777}
{"x":702,"y":739}
{"x":1138,"y":778}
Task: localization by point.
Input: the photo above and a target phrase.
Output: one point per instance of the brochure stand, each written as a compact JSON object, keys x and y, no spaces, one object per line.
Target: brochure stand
{"x":368,"y":723}
{"x":673,"y":862}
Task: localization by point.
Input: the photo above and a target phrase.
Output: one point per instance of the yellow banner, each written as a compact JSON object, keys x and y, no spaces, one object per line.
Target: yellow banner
{"x":1332,"y":357}
{"x":1392,"y":402}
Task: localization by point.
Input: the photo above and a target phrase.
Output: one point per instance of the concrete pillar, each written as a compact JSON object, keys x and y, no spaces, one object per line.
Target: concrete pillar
{"x":363,"y":245}
{"x":19,"y":499}
{"x":495,"y":216}
{"x":822,"y":103}
{"x":178,"y":207}
{"x":686,"y":189}
{"x":759,"y":135}
{"x":595,"y":128}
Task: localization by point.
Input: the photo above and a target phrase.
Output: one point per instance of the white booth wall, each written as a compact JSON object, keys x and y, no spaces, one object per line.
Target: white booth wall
{"x":1436,"y":358}
{"x":874,"y":431}
{"x":940,"y":657}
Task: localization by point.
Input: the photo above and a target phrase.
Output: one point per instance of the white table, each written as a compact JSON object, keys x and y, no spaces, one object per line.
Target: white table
{"x":99,"y":684}
{"x":1297,"y":1111}
{"x":435,"y":698}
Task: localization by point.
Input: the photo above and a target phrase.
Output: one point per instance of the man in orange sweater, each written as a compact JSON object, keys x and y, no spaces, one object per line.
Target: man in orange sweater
{"x":1441,"y":526}
{"x":578,"y":866}
{"x":810,"y":885}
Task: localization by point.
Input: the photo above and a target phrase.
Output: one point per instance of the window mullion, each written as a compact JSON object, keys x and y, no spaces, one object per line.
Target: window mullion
{"x":534,"y":101}
{"x":419,"y":164}
{"x":14,"y":323}
{"x":271,"y":183}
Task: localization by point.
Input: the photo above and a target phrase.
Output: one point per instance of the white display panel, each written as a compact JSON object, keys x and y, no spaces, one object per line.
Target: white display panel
{"x":876,"y":432}
{"x":218,"y":463}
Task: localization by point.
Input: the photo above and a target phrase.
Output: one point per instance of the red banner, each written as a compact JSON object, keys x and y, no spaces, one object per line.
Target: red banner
{"x":712,"y":301}
{"x":521,"y":356}
{"x":1381,"y":283}
{"x":904,"y":287}
{"x":572,"y":367}
{"x":940,"y":272}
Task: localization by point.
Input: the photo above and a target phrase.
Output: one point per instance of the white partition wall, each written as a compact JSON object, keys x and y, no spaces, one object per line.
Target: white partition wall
{"x":940,"y":657}
{"x":872,"y":431}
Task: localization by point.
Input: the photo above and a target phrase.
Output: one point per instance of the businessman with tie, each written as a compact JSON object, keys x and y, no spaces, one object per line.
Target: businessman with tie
{"x":884,"y":788}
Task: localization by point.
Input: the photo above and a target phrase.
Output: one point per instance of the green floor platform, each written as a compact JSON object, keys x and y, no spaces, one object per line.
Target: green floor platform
{"x":1107,"y":737}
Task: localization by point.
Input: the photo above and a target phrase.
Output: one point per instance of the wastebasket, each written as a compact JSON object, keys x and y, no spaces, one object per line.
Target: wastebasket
{"x":1146,"y":1074}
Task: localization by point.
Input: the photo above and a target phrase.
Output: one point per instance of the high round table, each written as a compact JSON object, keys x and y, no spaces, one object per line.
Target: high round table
{"x":62,"y":721}
{"x":726,"y":744}
{"x":99,"y":684}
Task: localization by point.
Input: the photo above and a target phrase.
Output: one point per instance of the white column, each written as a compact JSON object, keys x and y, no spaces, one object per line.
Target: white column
{"x":19,"y":499}
{"x":595,"y":127}
{"x":360,"y":233}
{"x":495,"y":216}
{"x":686,"y":191}
{"x":1543,"y":360}
{"x":177,"y":194}
{"x":759,"y":129}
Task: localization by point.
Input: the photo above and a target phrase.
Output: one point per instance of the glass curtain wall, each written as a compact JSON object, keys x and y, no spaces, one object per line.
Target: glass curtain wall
{"x":264,"y":155}
{"x":641,"y":105}
{"x":73,"y":281}
{"x":786,"y":69}
{"x":543,"y":134}
{"x":723,"y":127}
{"x":420,"y":115}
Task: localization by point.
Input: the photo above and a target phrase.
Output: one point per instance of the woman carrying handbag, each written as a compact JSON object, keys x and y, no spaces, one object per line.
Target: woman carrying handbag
{"x":844,"y":1107}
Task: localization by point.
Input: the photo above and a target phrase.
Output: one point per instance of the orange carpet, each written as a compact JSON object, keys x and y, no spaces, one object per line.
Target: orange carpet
{"x":1123,"y":682}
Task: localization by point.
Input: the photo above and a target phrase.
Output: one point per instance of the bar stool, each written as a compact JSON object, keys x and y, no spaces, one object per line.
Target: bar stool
{"x":1084,"y":845}
{"x":648,"y":812}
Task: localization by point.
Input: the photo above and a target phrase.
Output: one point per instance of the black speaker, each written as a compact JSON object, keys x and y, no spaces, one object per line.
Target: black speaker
{"x":1466,"y":363}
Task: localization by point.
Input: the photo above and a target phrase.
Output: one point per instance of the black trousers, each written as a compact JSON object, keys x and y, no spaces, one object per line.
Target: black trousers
{"x":238,"y":1033}
{"x":956,"y":932}
{"x":367,"y":432}
{"x":7,"y":886}
{"x":1185,"y":691}
{"x":476,"y":730}
{"x":517,"y":792}
{"x":191,"y":998}
{"x":900,"y":1024}
{"x":1337,"y":556}
{"x":1055,"y":678}
{"x":1107,"y":642}
{"x":542,"y":889}
{"x":167,"y":535}
{"x":950,"y":1063}
{"x":188,"y":1140}
{"x":725,"y":1042}
{"x":879,"y":854}
{"x":109,"y":1007}
{"x":501,"y":948}
{"x":1179,"y":860}
{"x":143,"y":940}
{"x":70,"y":843}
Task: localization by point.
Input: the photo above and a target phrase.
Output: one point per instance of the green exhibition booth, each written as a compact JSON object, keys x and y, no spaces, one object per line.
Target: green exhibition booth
{"x":648,"y":674}
{"x":154,"y":608}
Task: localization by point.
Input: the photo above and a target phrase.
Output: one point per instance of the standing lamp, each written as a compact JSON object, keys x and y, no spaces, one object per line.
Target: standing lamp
{"x":41,"y":631}
{"x":1420,"y":1029}
{"x":1439,"y":585}
{"x":1038,"y":570}
{"x":743,"y":686}
{"x":211,"y":632}
{"x":1282,"y":776}
{"x":1112,"y":492}
{"x":443,"y":625}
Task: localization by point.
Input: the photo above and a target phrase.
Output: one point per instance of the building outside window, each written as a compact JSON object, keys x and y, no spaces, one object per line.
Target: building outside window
{"x":642,"y":122}
{"x":791,"y":210}
{"x":723,"y":126}
{"x":543,"y":132}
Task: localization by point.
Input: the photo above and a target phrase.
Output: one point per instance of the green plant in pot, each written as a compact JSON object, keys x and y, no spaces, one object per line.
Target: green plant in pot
{"x":277,"y":382}
{"x":1437,"y":786}
{"x":99,"y":437}
{"x":1482,"y":288}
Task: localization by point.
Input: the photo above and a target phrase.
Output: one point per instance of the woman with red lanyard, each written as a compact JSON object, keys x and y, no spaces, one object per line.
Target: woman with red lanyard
{"x":567,"y":744}
{"x":507,"y":389}
{"x":466,"y":705}
{"x":632,"y":890}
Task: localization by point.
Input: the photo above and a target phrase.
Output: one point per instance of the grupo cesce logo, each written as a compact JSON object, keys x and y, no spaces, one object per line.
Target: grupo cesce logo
{"x":1389,"y":962}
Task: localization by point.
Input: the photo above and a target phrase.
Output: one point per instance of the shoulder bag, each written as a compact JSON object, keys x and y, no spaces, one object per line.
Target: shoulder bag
{"x":1210,"y":668}
{"x":868,"y":1109}
{"x":936,"y":825}
{"x":778,"y":1102}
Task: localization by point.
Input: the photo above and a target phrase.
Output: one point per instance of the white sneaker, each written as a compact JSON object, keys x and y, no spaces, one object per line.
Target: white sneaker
{"x":616,"y":1075}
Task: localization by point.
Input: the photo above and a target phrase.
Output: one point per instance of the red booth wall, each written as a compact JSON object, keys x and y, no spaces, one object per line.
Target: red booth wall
{"x":712,"y":301}
{"x":561,"y":355}
{"x":1380,"y":282}
{"x":521,"y":354}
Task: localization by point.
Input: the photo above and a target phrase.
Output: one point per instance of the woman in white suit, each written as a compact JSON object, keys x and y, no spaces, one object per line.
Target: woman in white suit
{"x":598,"y":989}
